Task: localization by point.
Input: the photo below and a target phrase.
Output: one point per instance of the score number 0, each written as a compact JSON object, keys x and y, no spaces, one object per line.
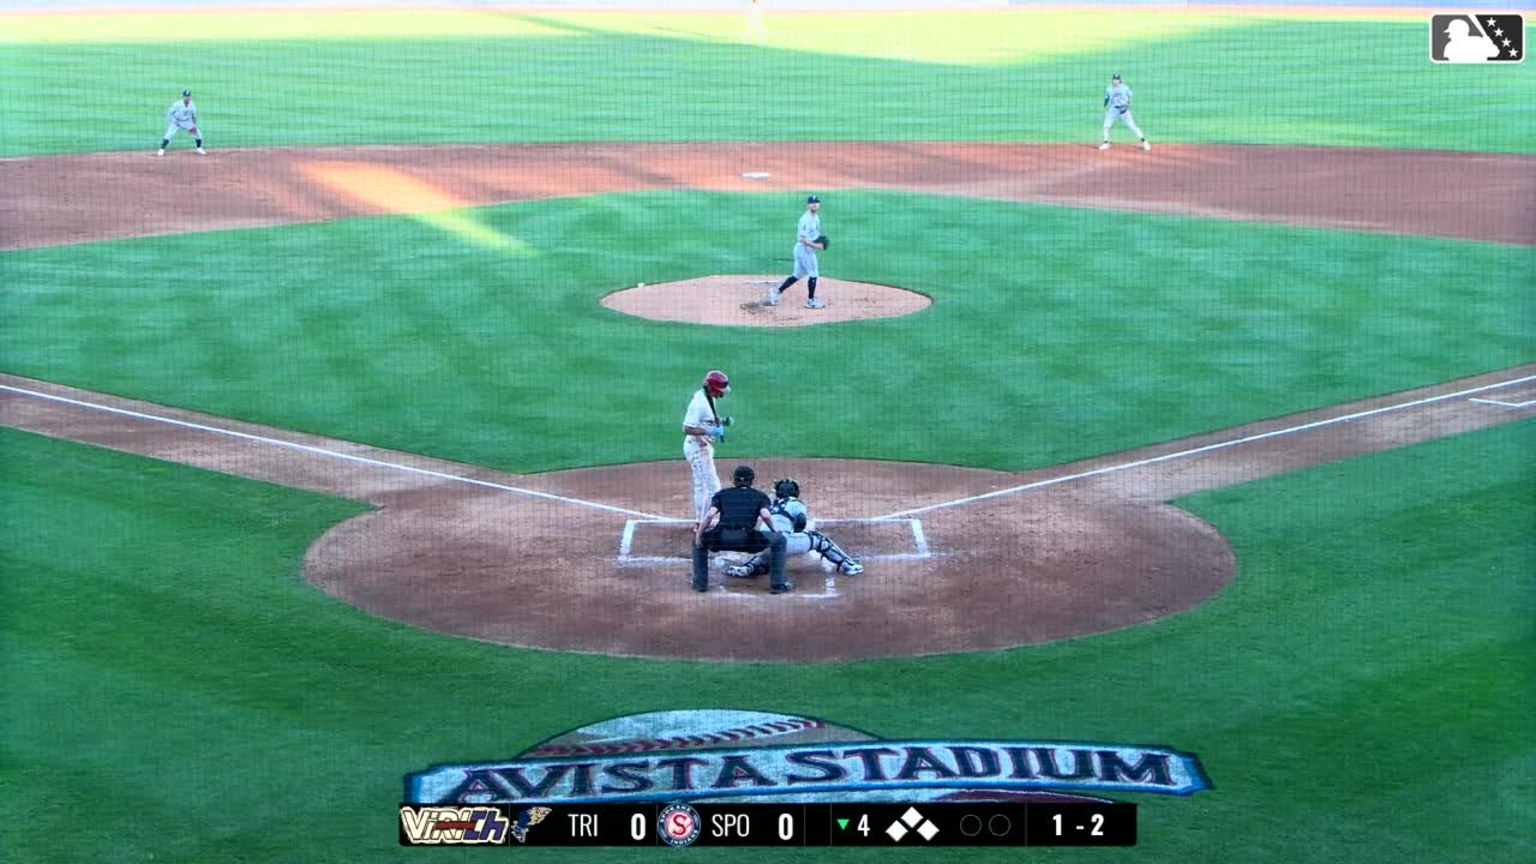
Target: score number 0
{"x":640,"y":826}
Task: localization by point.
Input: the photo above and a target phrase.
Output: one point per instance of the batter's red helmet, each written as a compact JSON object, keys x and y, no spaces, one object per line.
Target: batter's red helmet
{"x":716,"y":384}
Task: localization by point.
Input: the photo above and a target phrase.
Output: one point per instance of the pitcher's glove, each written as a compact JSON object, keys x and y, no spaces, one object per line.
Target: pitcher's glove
{"x":823,"y":241}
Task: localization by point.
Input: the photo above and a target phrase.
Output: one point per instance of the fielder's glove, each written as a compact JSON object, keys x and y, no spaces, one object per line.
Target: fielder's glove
{"x":824,"y":241}
{"x":1123,"y":108}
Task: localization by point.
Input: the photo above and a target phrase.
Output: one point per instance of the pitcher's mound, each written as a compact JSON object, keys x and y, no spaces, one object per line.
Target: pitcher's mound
{"x":738,"y":301}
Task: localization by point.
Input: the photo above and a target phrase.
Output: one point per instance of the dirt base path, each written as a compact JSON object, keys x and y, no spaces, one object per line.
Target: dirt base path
{"x":48,"y":201}
{"x":958,"y":559}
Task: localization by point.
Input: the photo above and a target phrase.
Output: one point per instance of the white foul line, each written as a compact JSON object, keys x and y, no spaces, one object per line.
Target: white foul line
{"x":320,"y":451}
{"x":1206,"y":449}
{"x":1525,"y":404}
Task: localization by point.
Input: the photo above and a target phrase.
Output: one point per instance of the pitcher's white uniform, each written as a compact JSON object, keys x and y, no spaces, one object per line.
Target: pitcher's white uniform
{"x":806,"y":232}
{"x":700,"y":453}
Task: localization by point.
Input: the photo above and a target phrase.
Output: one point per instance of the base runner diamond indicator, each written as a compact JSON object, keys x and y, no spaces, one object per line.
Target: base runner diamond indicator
{"x":915,"y":822}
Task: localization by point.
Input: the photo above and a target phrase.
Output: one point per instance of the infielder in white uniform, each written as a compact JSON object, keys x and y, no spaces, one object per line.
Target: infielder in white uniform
{"x":1117,"y":105}
{"x":183,"y":117}
{"x":807,"y":241}
{"x":791,"y":518}
{"x":702,"y":427}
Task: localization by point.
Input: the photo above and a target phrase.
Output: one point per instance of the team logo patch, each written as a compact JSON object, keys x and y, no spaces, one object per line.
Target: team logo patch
{"x":678,"y":825}
{"x":526,"y":820}
{"x":719,"y":755}
{"x":1485,"y":37}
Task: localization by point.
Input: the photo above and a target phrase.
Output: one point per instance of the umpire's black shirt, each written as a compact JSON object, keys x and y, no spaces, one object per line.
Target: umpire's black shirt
{"x":739,"y":506}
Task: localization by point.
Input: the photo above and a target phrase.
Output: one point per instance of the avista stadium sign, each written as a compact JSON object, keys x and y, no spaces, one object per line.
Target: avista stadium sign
{"x":719,"y":755}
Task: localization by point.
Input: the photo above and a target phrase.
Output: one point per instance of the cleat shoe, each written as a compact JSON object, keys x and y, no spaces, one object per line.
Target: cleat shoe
{"x":161,"y":153}
{"x":781,"y":589}
{"x":815,"y":304}
{"x":851,"y":568}
{"x":1145,"y":146}
{"x":1104,"y":146}
{"x":740,"y":571}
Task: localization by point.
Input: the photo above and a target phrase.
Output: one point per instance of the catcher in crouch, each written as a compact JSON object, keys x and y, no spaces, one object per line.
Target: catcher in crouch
{"x":791,"y":518}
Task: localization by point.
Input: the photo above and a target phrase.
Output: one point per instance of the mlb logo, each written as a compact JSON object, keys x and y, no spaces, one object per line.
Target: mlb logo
{"x":1487,"y":37}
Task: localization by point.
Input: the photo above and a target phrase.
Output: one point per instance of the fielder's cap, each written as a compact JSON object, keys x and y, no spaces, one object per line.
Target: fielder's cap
{"x":1116,"y":78}
{"x":813,"y":199}
{"x":186,"y":92}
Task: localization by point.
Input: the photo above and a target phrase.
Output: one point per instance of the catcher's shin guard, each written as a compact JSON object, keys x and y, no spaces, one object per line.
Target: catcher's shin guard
{"x":823,"y":545}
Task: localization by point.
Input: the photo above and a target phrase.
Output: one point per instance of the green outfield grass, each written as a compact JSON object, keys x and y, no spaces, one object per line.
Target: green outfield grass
{"x":1044,"y":343}
{"x":175,"y":690}
{"x":1353,"y":694}
{"x":431,"y":77}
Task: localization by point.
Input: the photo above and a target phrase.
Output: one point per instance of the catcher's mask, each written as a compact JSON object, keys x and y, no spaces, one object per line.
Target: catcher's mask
{"x":743,"y":475}
{"x":716,"y":384}
{"x":786,"y":488}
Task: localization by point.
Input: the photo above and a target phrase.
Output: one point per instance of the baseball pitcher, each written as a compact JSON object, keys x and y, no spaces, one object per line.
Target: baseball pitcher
{"x":1117,"y":106}
{"x":808,"y":239}
{"x":183,"y":117}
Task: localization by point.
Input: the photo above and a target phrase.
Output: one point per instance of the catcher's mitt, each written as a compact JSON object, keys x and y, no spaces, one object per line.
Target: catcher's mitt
{"x":824,"y":241}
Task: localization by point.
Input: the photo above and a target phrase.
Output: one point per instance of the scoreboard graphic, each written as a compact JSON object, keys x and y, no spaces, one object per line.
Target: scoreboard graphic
{"x":677,"y":824}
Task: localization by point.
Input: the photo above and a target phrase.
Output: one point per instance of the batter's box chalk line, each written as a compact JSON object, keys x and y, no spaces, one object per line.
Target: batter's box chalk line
{"x":918,"y":551}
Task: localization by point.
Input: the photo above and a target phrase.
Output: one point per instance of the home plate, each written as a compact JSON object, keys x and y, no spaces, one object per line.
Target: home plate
{"x":756,"y":175}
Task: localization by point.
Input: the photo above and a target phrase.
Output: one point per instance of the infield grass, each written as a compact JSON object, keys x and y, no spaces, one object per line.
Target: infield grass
{"x":1356,"y":694}
{"x":1043,"y":345}
{"x":304,"y":79}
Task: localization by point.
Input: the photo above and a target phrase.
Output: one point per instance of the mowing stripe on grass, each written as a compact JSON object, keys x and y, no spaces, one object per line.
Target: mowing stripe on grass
{"x":1220,"y":445}
{"x":320,"y":451}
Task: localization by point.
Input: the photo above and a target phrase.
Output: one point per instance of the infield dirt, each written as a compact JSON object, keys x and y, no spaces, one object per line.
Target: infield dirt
{"x":535,"y":561}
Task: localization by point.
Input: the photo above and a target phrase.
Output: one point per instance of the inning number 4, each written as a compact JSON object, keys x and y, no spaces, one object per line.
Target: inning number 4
{"x":864,"y":824}
{"x":1098,"y":824}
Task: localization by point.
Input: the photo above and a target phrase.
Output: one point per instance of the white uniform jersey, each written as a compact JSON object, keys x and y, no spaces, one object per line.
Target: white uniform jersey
{"x":805,"y":256}
{"x":182,"y":115}
{"x":809,"y":227}
{"x":1118,"y":97}
{"x":699,"y":413}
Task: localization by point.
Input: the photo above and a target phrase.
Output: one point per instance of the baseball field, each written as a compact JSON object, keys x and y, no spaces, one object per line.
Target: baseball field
{"x":347,"y":455}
